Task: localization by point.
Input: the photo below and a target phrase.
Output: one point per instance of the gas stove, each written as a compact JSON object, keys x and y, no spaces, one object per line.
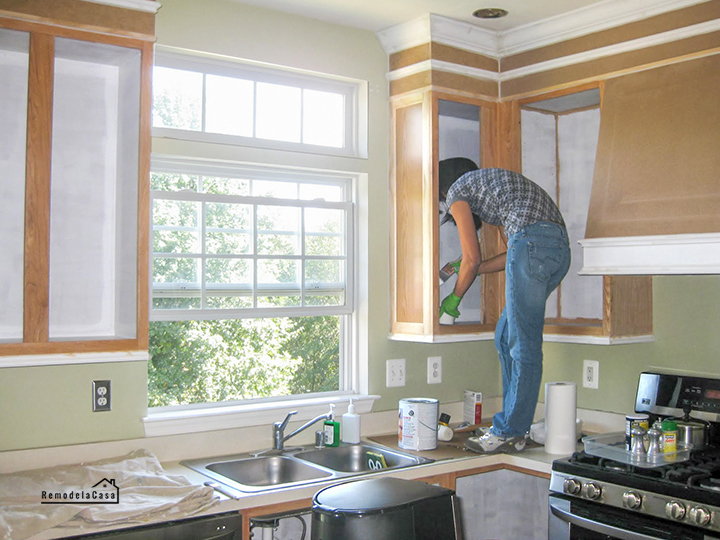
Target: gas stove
{"x":593,"y":497}
{"x":687,"y":492}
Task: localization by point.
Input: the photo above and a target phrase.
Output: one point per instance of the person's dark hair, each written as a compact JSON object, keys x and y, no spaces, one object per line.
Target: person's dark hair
{"x":449,"y":171}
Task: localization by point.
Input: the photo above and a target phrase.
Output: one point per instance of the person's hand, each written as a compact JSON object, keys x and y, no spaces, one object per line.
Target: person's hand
{"x":450,"y":305}
{"x":456,"y":265}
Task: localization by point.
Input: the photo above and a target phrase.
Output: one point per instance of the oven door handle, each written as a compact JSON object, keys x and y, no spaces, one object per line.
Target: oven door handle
{"x":601,"y":528}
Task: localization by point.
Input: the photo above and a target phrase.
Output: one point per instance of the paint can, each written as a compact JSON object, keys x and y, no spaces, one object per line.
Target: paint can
{"x":418,"y":423}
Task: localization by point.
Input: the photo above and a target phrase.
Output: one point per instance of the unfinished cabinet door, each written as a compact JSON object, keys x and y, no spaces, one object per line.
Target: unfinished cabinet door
{"x":94,"y":191}
{"x":559,"y":143}
{"x":14,"y":61}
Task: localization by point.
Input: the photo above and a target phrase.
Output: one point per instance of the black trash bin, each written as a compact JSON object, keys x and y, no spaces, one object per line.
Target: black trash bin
{"x":385,"y":509}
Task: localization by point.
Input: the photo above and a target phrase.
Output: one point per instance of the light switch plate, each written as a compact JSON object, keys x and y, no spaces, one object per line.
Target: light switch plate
{"x":395,"y":373}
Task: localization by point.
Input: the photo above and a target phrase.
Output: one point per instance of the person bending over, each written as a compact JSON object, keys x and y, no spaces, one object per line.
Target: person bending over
{"x":536,"y":261}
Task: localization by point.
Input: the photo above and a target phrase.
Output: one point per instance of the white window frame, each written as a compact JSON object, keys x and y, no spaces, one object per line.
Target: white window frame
{"x":354,"y":91}
{"x":204,"y":168}
{"x":192,"y":418}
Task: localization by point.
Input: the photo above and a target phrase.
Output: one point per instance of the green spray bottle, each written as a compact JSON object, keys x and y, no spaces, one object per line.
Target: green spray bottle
{"x":331,"y":427}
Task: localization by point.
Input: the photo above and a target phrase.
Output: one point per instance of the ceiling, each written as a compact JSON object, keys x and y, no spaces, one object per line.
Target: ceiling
{"x":378,"y":15}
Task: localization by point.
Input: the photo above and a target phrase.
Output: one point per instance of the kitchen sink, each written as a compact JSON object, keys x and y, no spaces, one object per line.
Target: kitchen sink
{"x":359,"y":458}
{"x":266,"y":471}
{"x":298,"y":466}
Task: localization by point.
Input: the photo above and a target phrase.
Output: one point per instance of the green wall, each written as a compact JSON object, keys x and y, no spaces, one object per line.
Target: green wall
{"x":51,"y":406}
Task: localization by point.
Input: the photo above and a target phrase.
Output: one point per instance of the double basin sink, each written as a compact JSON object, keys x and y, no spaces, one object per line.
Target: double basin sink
{"x":274,"y":469}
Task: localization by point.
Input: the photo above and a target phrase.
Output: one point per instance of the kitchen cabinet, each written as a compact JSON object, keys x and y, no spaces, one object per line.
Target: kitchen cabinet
{"x":503,"y":503}
{"x":428,"y":126}
{"x":76,"y":147}
{"x":551,"y":139}
{"x":559,"y":137}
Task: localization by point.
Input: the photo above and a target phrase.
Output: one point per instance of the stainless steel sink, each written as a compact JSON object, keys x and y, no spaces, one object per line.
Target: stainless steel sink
{"x":358,"y":458}
{"x":301,"y":465}
{"x":266,"y":471}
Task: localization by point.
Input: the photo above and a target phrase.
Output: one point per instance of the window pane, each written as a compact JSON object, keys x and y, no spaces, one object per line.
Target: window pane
{"x":311,"y":192}
{"x":229,"y":106}
{"x":278,"y":283}
{"x":173,"y":182}
{"x":215,"y":361}
{"x":226,"y":186}
{"x":324,"y":272}
{"x":172,"y":302}
{"x":278,"y":112}
{"x":229,"y":283}
{"x":177,"y":98}
{"x":278,"y":230}
{"x":323,"y":118}
{"x":228,"y":228}
{"x":179,"y":270}
{"x":274,"y":189}
{"x":324,"y":231}
{"x":175,"y":226}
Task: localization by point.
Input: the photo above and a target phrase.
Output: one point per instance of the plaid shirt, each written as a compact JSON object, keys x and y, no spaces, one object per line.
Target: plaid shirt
{"x":505,"y":198}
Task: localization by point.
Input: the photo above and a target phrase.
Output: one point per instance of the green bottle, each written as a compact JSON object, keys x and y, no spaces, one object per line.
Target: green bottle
{"x":331,"y":427}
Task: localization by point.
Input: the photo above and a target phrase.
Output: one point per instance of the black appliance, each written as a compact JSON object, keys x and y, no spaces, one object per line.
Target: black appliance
{"x":595,"y":498}
{"x":385,"y":509}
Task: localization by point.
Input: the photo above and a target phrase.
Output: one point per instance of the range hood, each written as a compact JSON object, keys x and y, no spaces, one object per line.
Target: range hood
{"x":655,"y":199}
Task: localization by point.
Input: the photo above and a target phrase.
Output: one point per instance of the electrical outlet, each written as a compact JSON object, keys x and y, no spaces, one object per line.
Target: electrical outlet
{"x":395,"y":373}
{"x":591,"y":373}
{"x":434,"y":369}
{"x":101,"y":396}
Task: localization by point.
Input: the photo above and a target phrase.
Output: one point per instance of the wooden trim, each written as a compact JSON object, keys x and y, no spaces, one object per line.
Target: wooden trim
{"x":143,"y":218}
{"x":673,"y":20}
{"x":90,"y":16}
{"x":36,"y":296}
{"x":613,"y":66}
{"x":69,"y":347}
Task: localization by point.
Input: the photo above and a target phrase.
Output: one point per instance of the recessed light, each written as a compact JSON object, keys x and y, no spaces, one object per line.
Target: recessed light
{"x":489,"y":13}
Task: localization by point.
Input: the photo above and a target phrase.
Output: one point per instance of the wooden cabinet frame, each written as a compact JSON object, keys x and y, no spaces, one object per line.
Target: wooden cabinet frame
{"x":414,"y":267}
{"x":37,"y":195}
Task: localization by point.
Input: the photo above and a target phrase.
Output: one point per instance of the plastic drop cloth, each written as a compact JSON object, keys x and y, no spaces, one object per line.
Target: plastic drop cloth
{"x":143,"y":493}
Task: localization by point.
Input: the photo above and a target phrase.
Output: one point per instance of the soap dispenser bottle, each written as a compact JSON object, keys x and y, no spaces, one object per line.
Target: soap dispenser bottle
{"x":351,"y":425}
{"x":331,"y":427}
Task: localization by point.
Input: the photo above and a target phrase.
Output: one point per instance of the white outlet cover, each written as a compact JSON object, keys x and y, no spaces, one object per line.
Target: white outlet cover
{"x":591,"y":374}
{"x":434,"y":369}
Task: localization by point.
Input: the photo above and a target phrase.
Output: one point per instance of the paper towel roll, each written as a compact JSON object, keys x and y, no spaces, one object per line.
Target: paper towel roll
{"x":560,"y":413}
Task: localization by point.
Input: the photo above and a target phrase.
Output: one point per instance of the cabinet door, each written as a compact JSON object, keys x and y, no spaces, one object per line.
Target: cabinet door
{"x":94,"y":191}
{"x":503,"y":505}
{"x":14,"y":60}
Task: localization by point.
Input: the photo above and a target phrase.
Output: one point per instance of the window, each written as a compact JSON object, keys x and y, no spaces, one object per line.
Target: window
{"x":253,"y":265}
{"x":246,"y":104}
{"x":251,"y":282}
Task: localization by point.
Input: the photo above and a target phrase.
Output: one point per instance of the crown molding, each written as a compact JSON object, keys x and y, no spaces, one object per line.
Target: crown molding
{"x":584,"y":21}
{"x":497,"y":44}
{"x":150,"y":6}
{"x":439,"y":29}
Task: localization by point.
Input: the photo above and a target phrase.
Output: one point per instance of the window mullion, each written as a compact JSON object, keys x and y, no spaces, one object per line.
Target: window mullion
{"x":203,"y":258}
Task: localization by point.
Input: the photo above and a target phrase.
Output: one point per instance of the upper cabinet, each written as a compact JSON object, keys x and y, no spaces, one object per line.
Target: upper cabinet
{"x":429,"y":126}
{"x":76,"y":142}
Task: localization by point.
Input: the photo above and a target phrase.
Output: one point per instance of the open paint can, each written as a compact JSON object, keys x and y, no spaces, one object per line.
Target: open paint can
{"x":418,"y":423}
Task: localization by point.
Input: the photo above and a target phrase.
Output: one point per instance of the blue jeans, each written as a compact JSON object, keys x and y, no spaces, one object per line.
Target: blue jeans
{"x":538,"y":258}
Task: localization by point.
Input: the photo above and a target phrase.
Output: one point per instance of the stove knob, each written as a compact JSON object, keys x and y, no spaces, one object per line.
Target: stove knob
{"x":675,"y":510}
{"x":592,"y":491}
{"x":632,"y":499}
{"x":572,"y":486}
{"x":699,"y":515}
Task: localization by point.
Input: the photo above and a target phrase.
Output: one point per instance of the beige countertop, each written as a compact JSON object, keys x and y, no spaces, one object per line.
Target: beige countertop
{"x":449,"y":457}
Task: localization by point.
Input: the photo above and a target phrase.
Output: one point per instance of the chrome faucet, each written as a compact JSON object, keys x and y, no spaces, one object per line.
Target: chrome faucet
{"x":279,"y":436}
